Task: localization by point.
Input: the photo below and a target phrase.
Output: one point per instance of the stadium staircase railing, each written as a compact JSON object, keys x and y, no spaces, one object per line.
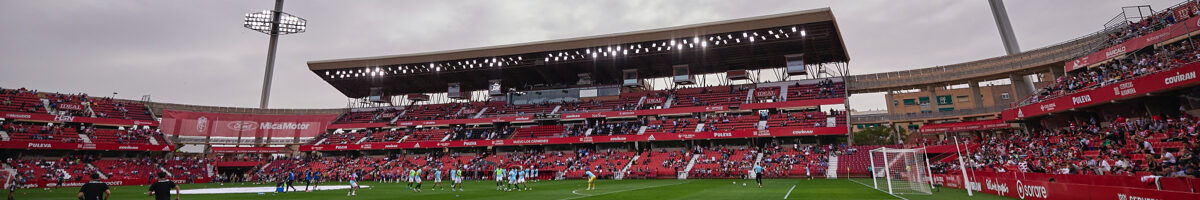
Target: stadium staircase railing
{"x":831,"y":171}
{"x":687,"y":170}
{"x":625,"y":170}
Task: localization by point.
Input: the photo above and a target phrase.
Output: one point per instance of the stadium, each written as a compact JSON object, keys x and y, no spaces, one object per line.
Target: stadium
{"x":746,"y":108}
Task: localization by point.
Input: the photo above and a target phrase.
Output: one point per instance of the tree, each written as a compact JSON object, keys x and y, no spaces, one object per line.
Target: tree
{"x":875,"y":135}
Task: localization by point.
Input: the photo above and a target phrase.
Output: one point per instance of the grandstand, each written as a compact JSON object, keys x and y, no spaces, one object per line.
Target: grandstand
{"x":671,"y":103}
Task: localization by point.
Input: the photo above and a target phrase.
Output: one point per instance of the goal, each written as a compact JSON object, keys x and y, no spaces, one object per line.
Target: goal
{"x":901,"y":171}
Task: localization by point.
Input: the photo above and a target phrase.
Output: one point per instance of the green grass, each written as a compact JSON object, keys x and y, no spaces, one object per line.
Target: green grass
{"x":561,"y":190}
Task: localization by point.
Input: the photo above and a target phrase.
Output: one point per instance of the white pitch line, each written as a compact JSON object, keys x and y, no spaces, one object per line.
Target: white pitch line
{"x":587,"y":195}
{"x":789,"y":192}
{"x":868,"y":186}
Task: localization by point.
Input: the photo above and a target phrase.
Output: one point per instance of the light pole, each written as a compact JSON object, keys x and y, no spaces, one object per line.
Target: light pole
{"x":274,"y":23}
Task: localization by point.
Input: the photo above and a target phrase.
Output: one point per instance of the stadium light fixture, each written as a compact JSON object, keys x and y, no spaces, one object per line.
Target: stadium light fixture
{"x":274,"y":22}
{"x":802,"y":33}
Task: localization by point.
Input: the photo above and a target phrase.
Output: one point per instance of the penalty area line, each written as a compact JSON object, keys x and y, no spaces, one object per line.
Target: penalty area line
{"x":789,"y":192}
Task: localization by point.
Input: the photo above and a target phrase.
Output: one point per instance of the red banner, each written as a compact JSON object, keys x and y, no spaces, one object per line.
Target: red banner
{"x":793,"y":103}
{"x":184,"y":123}
{"x":111,"y":182}
{"x":1018,"y":185}
{"x":772,"y":132}
{"x":640,"y":113}
{"x":246,"y":149}
{"x":237,"y":163}
{"x":631,"y":113}
{"x":1173,"y":31}
{"x":965,"y":126}
{"x":1157,"y":82}
{"x":81,"y":146}
{"x":43,"y":117}
{"x":70,"y":106}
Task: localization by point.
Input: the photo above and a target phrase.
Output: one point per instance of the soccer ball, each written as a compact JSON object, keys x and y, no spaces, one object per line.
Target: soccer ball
{"x":743,"y":184}
{"x":735,"y":182}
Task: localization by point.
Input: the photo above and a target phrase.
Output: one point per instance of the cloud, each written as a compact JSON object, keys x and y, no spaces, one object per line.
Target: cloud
{"x":196,"y":52}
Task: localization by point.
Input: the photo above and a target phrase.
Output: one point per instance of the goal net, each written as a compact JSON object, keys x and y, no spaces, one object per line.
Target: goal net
{"x":900,"y":171}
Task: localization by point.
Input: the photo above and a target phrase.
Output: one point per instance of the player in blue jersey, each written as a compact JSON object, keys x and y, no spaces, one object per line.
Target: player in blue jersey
{"x":353,"y":184}
{"x":291,"y":179}
{"x":758,"y":174}
{"x":437,"y":179}
{"x":308,"y":179}
{"x":591,"y":177}
{"x":512,"y":180}
{"x":521,"y":175}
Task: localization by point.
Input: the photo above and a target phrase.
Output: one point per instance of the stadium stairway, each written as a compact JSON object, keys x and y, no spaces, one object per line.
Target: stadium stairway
{"x":687,"y":170}
{"x":96,"y":170}
{"x":640,"y":101}
{"x":84,"y":138}
{"x":480,"y":112}
{"x":153,"y":141}
{"x":625,"y":170}
{"x":750,"y":95}
{"x":831,"y":172}
{"x":321,"y":142}
{"x":164,"y":170}
{"x":668,"y":102}
{"x":46,"y":105}
{"x":397,"y":117}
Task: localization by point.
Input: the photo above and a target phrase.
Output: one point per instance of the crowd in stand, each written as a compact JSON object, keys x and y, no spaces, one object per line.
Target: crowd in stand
{"x":1155,"y":146}
{"x":1136,"y":64}
{"x":1145,"y":26}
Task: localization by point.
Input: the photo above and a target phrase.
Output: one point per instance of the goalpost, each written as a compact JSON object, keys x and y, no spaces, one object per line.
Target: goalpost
{"x":901,"y":171}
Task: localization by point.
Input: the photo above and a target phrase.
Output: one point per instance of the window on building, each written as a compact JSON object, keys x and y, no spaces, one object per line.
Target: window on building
{"x":923,"y":100}
{"x":963,"y":98}
{"x":945,"y":100}
{"x":945,"y":109}
{"x":1004,"y":96}
{"x":909,"y":102}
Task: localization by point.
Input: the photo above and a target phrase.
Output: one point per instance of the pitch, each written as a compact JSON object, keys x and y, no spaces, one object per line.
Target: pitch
{"x":560,"y":190}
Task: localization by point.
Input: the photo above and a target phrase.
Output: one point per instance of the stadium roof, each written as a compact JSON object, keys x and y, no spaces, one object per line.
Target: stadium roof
{"x":748,"y":43}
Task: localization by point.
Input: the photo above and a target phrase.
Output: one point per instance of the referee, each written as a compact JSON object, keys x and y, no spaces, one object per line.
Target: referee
{"x":93,"y":189}
{"x":758,"y":174}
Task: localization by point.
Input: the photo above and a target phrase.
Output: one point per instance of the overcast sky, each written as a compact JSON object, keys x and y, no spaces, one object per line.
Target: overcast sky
{"x":197,"y":52}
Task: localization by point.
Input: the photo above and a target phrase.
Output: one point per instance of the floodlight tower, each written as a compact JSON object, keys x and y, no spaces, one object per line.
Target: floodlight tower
{"x":274,"y":23}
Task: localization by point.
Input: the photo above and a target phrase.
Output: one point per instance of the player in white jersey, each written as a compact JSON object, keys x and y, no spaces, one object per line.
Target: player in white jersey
{"x":353,"y":184}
